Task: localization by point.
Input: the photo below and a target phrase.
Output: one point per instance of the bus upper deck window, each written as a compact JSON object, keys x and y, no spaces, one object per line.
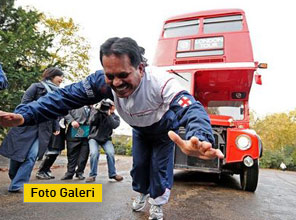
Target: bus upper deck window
{"x":223,"y":24}
{"x":180,"y":29}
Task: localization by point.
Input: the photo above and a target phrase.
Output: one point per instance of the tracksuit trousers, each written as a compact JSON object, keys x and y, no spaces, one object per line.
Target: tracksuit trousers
{"x":152,"y":171}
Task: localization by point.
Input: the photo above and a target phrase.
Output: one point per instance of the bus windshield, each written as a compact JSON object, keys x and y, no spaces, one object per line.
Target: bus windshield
{"x":234,"y":109}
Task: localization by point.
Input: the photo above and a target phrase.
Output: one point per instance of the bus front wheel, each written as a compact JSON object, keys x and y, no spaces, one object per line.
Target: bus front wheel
{"x":249,"y":177}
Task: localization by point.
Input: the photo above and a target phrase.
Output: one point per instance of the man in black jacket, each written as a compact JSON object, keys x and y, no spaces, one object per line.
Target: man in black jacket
{"x":103,"y":120}
{"x":77,"y":142}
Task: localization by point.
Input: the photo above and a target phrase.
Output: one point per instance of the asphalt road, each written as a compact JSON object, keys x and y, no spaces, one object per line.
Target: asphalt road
{"x":194,"y":196}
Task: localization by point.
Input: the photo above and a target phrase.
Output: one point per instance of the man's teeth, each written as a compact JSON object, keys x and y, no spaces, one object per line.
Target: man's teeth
{"x":121,"y":88}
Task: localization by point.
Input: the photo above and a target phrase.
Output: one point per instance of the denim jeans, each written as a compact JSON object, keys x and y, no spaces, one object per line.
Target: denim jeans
{"x":94,"y":149}
{"x":20,"y":172}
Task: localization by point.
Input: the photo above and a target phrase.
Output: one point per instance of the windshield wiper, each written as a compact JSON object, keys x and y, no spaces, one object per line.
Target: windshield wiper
{"x":179,"y":75}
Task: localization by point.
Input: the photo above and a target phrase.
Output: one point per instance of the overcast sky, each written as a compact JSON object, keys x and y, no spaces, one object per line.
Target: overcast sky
{"x":271,"y":25}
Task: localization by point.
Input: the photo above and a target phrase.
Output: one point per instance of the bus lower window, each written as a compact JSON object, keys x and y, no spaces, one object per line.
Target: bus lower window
{"x":200,"y":53}
{"x":223,"y":24}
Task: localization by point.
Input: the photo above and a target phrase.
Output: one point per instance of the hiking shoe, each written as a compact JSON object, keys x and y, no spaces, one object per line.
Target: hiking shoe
{"x":117,"y":178}
{"x":90,"y":179}
{"x":156,"y":212}
{"x":42,"y":176}
{"x":140,"y":202}
{"x":15,"y":190}
{"x":48,"y":173}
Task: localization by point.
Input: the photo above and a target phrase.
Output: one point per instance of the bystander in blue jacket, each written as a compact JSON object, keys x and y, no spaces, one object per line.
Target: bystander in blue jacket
{"x":23,"y":145}
{"x":3,"y":79}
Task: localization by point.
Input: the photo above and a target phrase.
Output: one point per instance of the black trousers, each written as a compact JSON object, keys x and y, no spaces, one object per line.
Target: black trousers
{"x":47,"y":162}
{"x":77,"y":154}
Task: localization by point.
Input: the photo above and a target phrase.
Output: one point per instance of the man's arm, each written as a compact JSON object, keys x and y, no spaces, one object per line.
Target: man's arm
{"x":113,"y":120}
{"x":192,"y":115}
{"x":89,"y":91}
{"x":199,"y":137}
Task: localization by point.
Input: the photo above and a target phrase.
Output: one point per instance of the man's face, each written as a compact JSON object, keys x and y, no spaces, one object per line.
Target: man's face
{"x":121,"y":76}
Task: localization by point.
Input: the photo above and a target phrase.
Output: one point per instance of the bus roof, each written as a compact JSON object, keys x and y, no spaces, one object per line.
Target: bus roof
{"x":209,"y":13}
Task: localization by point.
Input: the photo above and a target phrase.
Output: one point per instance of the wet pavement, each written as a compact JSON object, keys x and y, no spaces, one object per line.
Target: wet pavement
{"x":194,"y":196}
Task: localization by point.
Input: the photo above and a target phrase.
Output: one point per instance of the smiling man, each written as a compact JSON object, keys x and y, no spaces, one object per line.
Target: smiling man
{"x":151,"y":102}
{"x":122,"y":77}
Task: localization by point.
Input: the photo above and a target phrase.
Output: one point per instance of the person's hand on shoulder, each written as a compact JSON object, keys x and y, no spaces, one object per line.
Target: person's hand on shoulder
{"x":8,"y":119}
{"x":196,"y":148}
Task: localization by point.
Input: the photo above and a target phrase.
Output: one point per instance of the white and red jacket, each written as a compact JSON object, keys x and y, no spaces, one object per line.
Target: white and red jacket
{"x":158,"y":104}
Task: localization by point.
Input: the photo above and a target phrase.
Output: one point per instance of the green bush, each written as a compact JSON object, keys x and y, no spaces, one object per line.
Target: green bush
{"x":273,"y":159}
{"x":122,"y":145}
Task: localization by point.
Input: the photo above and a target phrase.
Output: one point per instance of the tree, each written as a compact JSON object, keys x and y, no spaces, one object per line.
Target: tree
{"x":22,"y":48}
{"x":278,"y":134}
{"x":277,"y":130}
{"x":69,"y":49}
{"x":30,"y":43}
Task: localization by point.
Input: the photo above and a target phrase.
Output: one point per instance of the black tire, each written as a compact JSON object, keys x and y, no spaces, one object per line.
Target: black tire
{"x":249,"y":177}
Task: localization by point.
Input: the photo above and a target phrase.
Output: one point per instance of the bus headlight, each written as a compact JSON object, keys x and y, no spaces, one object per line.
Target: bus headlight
{"x":183,"y":45}
{"x":243,"y":142}
{"x":208,"y":43}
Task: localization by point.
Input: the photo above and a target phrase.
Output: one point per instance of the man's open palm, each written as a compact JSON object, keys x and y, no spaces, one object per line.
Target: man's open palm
{"x":196,"y":148}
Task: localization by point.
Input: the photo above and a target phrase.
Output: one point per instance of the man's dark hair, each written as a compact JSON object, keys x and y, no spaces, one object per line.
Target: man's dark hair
{"x":121,"y":46}
{"x":51,"y":72}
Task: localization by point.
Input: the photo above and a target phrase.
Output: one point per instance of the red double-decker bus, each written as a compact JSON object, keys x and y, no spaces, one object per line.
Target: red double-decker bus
{"x":210,"y":53}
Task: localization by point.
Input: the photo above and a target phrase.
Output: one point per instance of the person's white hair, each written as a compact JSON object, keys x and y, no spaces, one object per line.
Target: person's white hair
{"x":108,"y":101}
{"x":102,"y":102}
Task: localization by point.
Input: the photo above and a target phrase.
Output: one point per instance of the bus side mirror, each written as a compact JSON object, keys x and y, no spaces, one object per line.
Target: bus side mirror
{"x":262,"y":65}
{"x":258,"y":78}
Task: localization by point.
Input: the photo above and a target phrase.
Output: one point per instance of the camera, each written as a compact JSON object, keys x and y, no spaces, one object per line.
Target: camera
{"x":104,"y":105}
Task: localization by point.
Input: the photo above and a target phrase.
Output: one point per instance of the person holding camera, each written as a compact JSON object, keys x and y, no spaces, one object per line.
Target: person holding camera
{"x":102,"y":121}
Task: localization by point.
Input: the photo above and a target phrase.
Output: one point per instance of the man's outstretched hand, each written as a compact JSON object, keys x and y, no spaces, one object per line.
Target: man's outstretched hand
{"x":8,"y":119}
{"x":196,"y":148}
